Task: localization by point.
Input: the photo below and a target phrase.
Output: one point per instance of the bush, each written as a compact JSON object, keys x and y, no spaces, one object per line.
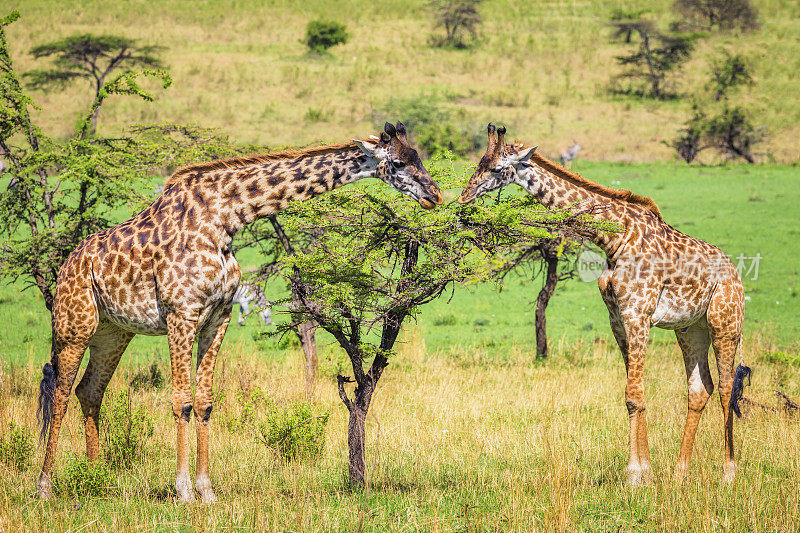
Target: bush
{"x":124,"y":431}
{"x":146,"y":379}
{"x":295,"y":431}
{"x":431,"y":123}
{"x":84,"y":478}
{"x":323,"y":34}
{"x":17,"y":451}
{"x":721,"y":14}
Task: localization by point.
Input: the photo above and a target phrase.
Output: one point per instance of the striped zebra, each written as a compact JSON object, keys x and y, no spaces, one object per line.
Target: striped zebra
{"x":248,"y":294}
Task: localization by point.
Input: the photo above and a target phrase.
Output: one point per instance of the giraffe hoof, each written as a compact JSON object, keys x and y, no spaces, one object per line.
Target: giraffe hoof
{"x":44,"y":488}
{"x":680,"y":473}
{"x":208,"y":496}
{"x":729,"y":472}
{"x":639,"y":475}
{"x":183,"y":486}
{"x":203,"y":488}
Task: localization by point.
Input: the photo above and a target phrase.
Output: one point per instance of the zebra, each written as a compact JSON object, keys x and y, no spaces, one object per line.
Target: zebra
{"x":570,"y":153}
{"x":248,"y":294}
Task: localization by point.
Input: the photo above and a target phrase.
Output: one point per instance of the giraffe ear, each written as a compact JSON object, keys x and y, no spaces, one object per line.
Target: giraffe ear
{"x":365,"y":146}
{"x":524,"y":155}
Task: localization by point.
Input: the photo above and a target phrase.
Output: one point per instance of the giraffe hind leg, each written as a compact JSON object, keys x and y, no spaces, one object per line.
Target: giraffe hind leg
{"x":105,"y":350}
{"x":725,"y":315}
{"x":694,"y":343}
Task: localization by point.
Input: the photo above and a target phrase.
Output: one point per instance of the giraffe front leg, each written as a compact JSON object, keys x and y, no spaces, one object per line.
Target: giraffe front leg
{"x":209,"y":341}
{"x":637,"y":332}
{"x":181,"y":333}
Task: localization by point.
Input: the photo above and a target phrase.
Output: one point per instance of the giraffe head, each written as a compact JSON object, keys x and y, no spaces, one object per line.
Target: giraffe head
{"x":397,"y":164}
{"x":497,"y":168}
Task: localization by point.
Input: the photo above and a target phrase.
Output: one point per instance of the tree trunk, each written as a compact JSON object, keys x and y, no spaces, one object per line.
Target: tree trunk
{"x":356,"y":442}
{"x":305,"y":332}
{"x":550,"y":281}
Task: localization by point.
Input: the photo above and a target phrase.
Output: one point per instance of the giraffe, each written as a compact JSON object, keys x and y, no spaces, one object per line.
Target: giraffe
{"x":170,"y":270}
{"x":654,"y":276}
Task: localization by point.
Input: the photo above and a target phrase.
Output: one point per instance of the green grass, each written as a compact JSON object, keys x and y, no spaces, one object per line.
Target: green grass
{"x":742,"y":209}
{"x":541,"y":66}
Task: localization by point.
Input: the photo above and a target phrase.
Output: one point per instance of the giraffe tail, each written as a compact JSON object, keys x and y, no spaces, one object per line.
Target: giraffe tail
{"x":46,"y":388}
{"x":742,"y":372}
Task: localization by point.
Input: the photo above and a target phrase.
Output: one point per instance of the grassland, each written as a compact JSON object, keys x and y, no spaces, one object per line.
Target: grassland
{"x":467,"y":432}
{"x":542,"y":67}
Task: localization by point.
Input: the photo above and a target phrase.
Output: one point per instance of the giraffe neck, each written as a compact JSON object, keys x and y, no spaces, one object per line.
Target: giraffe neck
{"x":554,"y":191}
{"x":233,"y":198}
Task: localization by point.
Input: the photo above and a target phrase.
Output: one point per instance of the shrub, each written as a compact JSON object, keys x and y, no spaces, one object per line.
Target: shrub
{"x":430,"y":122}
{"x":124,"y":431}
{"x":721,"y":14}
{"x":17,"y":451}
{"x":323,"y":34}
{"x":146,"y":379}
{"x":438,"y":138}
{"x":84,"y":478}
{"x":295,"y":431}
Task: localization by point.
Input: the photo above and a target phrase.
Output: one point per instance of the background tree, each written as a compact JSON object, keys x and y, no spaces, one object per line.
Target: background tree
{"x":556,"y":257}
{"x":63,"y":191}
{"x":657,"y":54}
{"x":692,"y":137}
{"x":274,"y":243}
{"x":717,"y":124}
{"x":719,"y":14}
{"x":323,"y":34}
{"x":733,"y":133}
{"x":378,"y":259}
{"x":727,"y":72}
{"x":460,"y":20}
{"x":93,"y":58}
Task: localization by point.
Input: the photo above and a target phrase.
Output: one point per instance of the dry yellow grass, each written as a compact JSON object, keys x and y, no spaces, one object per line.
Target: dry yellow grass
{"x":541,"y":67}
{"x":517,"y":447}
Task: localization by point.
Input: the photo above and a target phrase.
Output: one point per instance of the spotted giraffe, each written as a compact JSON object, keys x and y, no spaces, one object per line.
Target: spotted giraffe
{"x":170,"y":270}
{"x":654,"y":276}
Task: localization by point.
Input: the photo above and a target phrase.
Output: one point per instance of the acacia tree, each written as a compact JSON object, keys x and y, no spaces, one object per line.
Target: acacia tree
{"x":376,"y":259}
{"x":93,"y":58}
{"x":459,"y":18}
{"x":61,"y":190}
{"x":657,"y":54}
{"x":556,"y":259}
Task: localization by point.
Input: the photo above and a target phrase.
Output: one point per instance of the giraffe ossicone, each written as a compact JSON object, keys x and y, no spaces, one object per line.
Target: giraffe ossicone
{"x":170,"y":270}
{"x":654,"y":276}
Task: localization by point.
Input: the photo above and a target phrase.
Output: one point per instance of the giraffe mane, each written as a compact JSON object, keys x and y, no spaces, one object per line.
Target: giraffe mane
{"x":576,"y":179}
{"x":242,"y":161}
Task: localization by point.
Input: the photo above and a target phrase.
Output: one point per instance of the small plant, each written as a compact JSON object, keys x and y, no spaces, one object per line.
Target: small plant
{"x":295,"y":431}
{"x":460,"y":20}
{"x":17,"y":451}
{"x":323,"y":34}
{"x":446,"y":320}
{"x":82,"y":478}
{"x":315,"y":114}
{"x":124,"y":431}
{"x":148,"y":379}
